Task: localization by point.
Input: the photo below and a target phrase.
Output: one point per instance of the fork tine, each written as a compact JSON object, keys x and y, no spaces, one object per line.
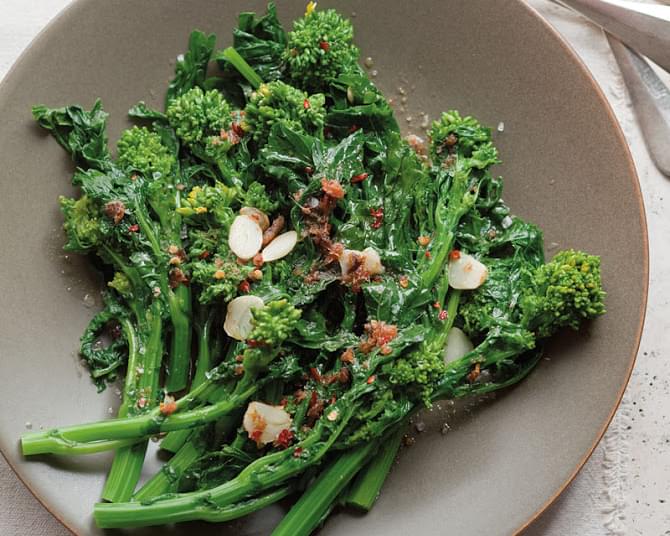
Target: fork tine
{"x":651,"y":101}
{"x":644,"y":27}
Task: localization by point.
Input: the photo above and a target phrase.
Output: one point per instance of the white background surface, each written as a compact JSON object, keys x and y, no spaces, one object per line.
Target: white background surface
{"x":624,"y":490}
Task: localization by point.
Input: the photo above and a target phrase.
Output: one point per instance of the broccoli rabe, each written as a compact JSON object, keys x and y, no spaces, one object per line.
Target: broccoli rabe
{"x":454,"y":135}
{"x":277,"y":102}
{"x":82,"y":224}
{"x":142,"y":150}
{"x":320,"y":48}
{"x":256,"y":196}
{"x":563,"y":293}
{"x":205,"y":122}
{"x":355,"y":256}
{"x":210,"y":200}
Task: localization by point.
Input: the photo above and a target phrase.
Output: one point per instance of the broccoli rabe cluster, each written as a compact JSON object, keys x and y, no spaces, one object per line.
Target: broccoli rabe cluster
{"x":203,"y":121}
{"x":279,"y":102}
{"x":564,"y":293}
{"x":320,"y":48}
{"x":213,"y":200}
{"x":256,"y":196}
{"x":219,"y":278}
{"x":273,"y":323}
{"x":142,"y":150}
{"x":82,"y":223}
{"x":453,"y":135}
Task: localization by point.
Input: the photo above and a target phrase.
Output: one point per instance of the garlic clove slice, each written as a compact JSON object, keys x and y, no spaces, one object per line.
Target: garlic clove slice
{"x":466,"y":272}
{"x":238,"y":316}
{"x":280,"y":246}
{"x":245,"y":237}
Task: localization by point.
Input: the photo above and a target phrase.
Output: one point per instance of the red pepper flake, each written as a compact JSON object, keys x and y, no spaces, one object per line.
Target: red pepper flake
{"x":297,"y":452}
{"x":237,"y":129}
{"x":176,"y":277}
{"x":353,"y":128}
{"x":474,"y":373}
{"x":324,"y":45}
{"x":442,"y":315}
{"x":378,"y":217}
{"x":167,"y":407}
{"x":134,"y":228}
{"x":204,"y":255}
{"x":115,"y":210}
{"x":256,"y":436}
{"x":423,"y":240}
{"x":347,"y":356}
{"x":359,"y":178}
{"x":284,"y":439}
{"x":244,"y":286}
{"x":316,"y":375}
{"x":454,"y":255}
{"x":255,"y":343}
{"x":437,"y":305}
{"x":371,"y":379}
{"x":428,"y":254}
{"x":333,"y":188}
{"x":305,"y":104}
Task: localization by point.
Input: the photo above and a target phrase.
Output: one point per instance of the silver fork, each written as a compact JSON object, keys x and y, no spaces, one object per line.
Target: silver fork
{"x":645,"y":28}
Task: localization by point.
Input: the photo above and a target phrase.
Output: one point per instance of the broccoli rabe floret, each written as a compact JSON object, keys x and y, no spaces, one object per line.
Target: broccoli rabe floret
{"x":214,"y":200}
{"x":121,"y":284}
{"x":273,"y":323}
{"x":203,"y":121}
{"x":82,"y":225}
{"x":278,"y":102}
{"x":564,"y":293}
{"x":320,"y":48}
{"x":421,"y":370}
{"x":142,"y":150}
{"x":256,"y":196}
{"x":219,"y":278}
{"x":453,"y":135}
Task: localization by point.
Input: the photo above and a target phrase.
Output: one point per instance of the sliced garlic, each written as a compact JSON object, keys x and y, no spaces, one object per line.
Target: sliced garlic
{"x":238,"y":316}
{"x":280,"y":246}
{"x":347,"y":260}
{"x":245,"y":238}
{"x":458,"y":345}
{"x":264,"y":423}
{"x":466,"y":272}
{"x":259,"y":216}
{"x":372,"y":263}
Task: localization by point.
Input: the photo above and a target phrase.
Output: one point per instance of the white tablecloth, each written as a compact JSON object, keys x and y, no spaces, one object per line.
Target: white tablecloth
{"x":624,"y":489}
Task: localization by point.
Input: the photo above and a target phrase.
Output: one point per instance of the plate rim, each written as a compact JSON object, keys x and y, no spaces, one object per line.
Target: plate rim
{"x":67,"y":11}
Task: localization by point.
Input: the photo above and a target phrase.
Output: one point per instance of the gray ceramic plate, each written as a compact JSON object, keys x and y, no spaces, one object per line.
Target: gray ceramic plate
{"x":567,"y":168}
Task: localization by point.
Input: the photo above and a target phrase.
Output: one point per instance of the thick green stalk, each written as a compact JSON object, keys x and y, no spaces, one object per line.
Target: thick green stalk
{"x":141,"y":382}
{"x":243,"y":67}
{"x":175,"y":440}
{"x":368,"y":484}
{"x":263,"y":474}
{"x":179,"y":362}
{"x":137,"y":427}
{"x":165,"y":480}
{"x":306,"y":515}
